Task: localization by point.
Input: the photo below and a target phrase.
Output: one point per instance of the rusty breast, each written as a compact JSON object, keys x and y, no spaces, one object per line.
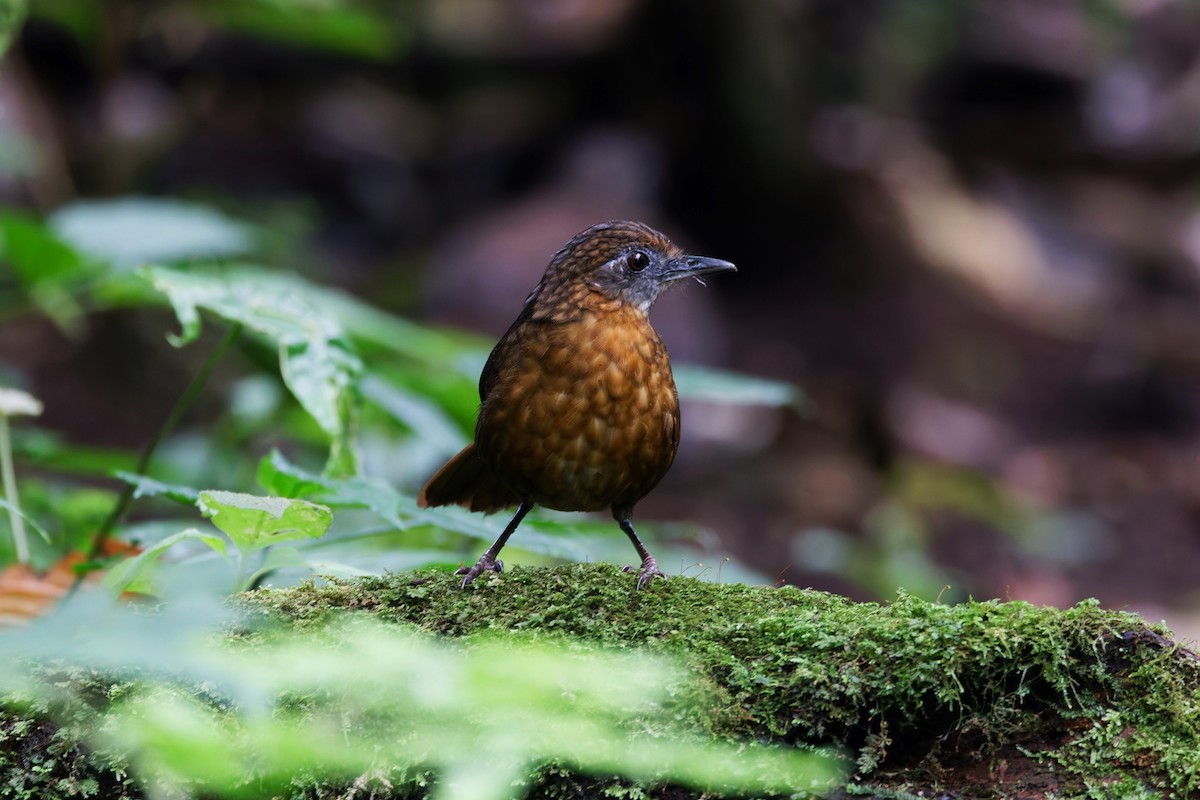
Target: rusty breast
{"x":583,"y":415}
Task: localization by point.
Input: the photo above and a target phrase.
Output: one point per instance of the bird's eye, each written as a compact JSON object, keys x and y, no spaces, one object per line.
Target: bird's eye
{"x":637,"y":261}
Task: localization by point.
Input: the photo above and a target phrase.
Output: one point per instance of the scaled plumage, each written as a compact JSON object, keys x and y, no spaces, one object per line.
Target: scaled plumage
{"x":578,"y":404}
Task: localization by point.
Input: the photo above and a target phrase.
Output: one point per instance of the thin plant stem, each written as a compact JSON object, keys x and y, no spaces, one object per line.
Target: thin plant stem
{"x":181,"y":407}
{"x":20,"y":542}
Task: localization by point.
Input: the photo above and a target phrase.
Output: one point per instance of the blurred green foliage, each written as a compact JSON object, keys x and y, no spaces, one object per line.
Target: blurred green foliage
{"x":413,"y":402}
{"x":359,"y":28}
{"x":384,"y":705}
{"x":360,"y":401}
{"x":12,"y":14}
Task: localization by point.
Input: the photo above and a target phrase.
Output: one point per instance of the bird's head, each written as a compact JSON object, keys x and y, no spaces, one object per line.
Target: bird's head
{"x":616,"y":263}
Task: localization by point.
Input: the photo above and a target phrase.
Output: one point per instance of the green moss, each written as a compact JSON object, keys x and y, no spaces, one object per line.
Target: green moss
{"x":1093,"y":697}
{"x":45,"y":760}
{"x":978,"y":699}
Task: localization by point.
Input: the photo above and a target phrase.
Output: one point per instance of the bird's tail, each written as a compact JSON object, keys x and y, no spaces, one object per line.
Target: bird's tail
{"x":468,"y":481}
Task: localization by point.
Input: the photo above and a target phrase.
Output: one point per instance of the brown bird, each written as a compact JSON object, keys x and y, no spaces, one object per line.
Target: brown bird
{"x":579,"y":410}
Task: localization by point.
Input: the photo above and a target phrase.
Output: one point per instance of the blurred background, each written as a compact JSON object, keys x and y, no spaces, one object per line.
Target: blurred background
{"x":970,"y":232}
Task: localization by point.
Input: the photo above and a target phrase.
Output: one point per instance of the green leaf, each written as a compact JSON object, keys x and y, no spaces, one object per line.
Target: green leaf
{"x":83,"y":20}
{"x":256,"y":522}
{"x":548,"y":537}
{"x":12,"y":14}
{"x":545,"y":537}
{"x":461,"y":353}
{"x":346,"y":571}
{"x":48,"y":450}
{"x":135,"y":574}
{"x":278,"y":558}
{"x":733,"y":388}
{"x":49,"y":268}
{"x":241,"y":297}
{"x":392,"y":507}
{"x":400,"y":510}
{"x":335,"y":27}
{"x":415,"y":412}
{"x":283,"y":557}
{"x":317,"y":361}
{"x":35,"y":252}
{"x":280,"y":477}
{"x":322,"y":374}
{"x":129,"y":231}
{"x":144,"y":486}
{"x":11,"y":509}
{"x":226,"y":715}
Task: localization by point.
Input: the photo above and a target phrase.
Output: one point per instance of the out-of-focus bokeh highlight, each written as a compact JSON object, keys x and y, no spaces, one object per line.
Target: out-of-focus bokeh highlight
{"x":969,"y":231}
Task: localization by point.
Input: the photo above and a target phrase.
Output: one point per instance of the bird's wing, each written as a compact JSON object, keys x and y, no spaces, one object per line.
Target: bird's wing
{"x":500,"y":355}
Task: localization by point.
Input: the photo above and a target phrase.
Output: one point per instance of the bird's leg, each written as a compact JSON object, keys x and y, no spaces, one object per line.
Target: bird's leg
{"x":488,"y":561}
{"x":649,"y":569}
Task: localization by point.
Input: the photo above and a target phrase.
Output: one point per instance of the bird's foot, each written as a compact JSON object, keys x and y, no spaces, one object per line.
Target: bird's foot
{"x":648,"y":572}
{"x":485,"y":564}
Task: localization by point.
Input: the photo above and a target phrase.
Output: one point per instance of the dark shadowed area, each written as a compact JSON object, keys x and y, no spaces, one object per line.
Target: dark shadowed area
{"x":970,"y":232}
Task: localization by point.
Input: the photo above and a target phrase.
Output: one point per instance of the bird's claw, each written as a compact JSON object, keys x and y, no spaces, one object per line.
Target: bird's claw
{"x":648,"y":572}
{"x":485,"y":564}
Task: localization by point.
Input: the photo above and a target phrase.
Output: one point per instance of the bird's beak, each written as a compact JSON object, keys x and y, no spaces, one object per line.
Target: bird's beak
{"x":693,"y":267}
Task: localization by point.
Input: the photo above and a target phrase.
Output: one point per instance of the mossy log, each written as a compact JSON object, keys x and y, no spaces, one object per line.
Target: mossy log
{"x":981,"y":699}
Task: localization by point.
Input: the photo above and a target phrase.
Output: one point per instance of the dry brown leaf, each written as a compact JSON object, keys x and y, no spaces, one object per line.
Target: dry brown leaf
{"x":24,"y":594}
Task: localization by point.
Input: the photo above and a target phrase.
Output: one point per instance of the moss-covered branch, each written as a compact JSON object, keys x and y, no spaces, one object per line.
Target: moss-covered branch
{"x":979,"y":699}
{"x":923,"y":695}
